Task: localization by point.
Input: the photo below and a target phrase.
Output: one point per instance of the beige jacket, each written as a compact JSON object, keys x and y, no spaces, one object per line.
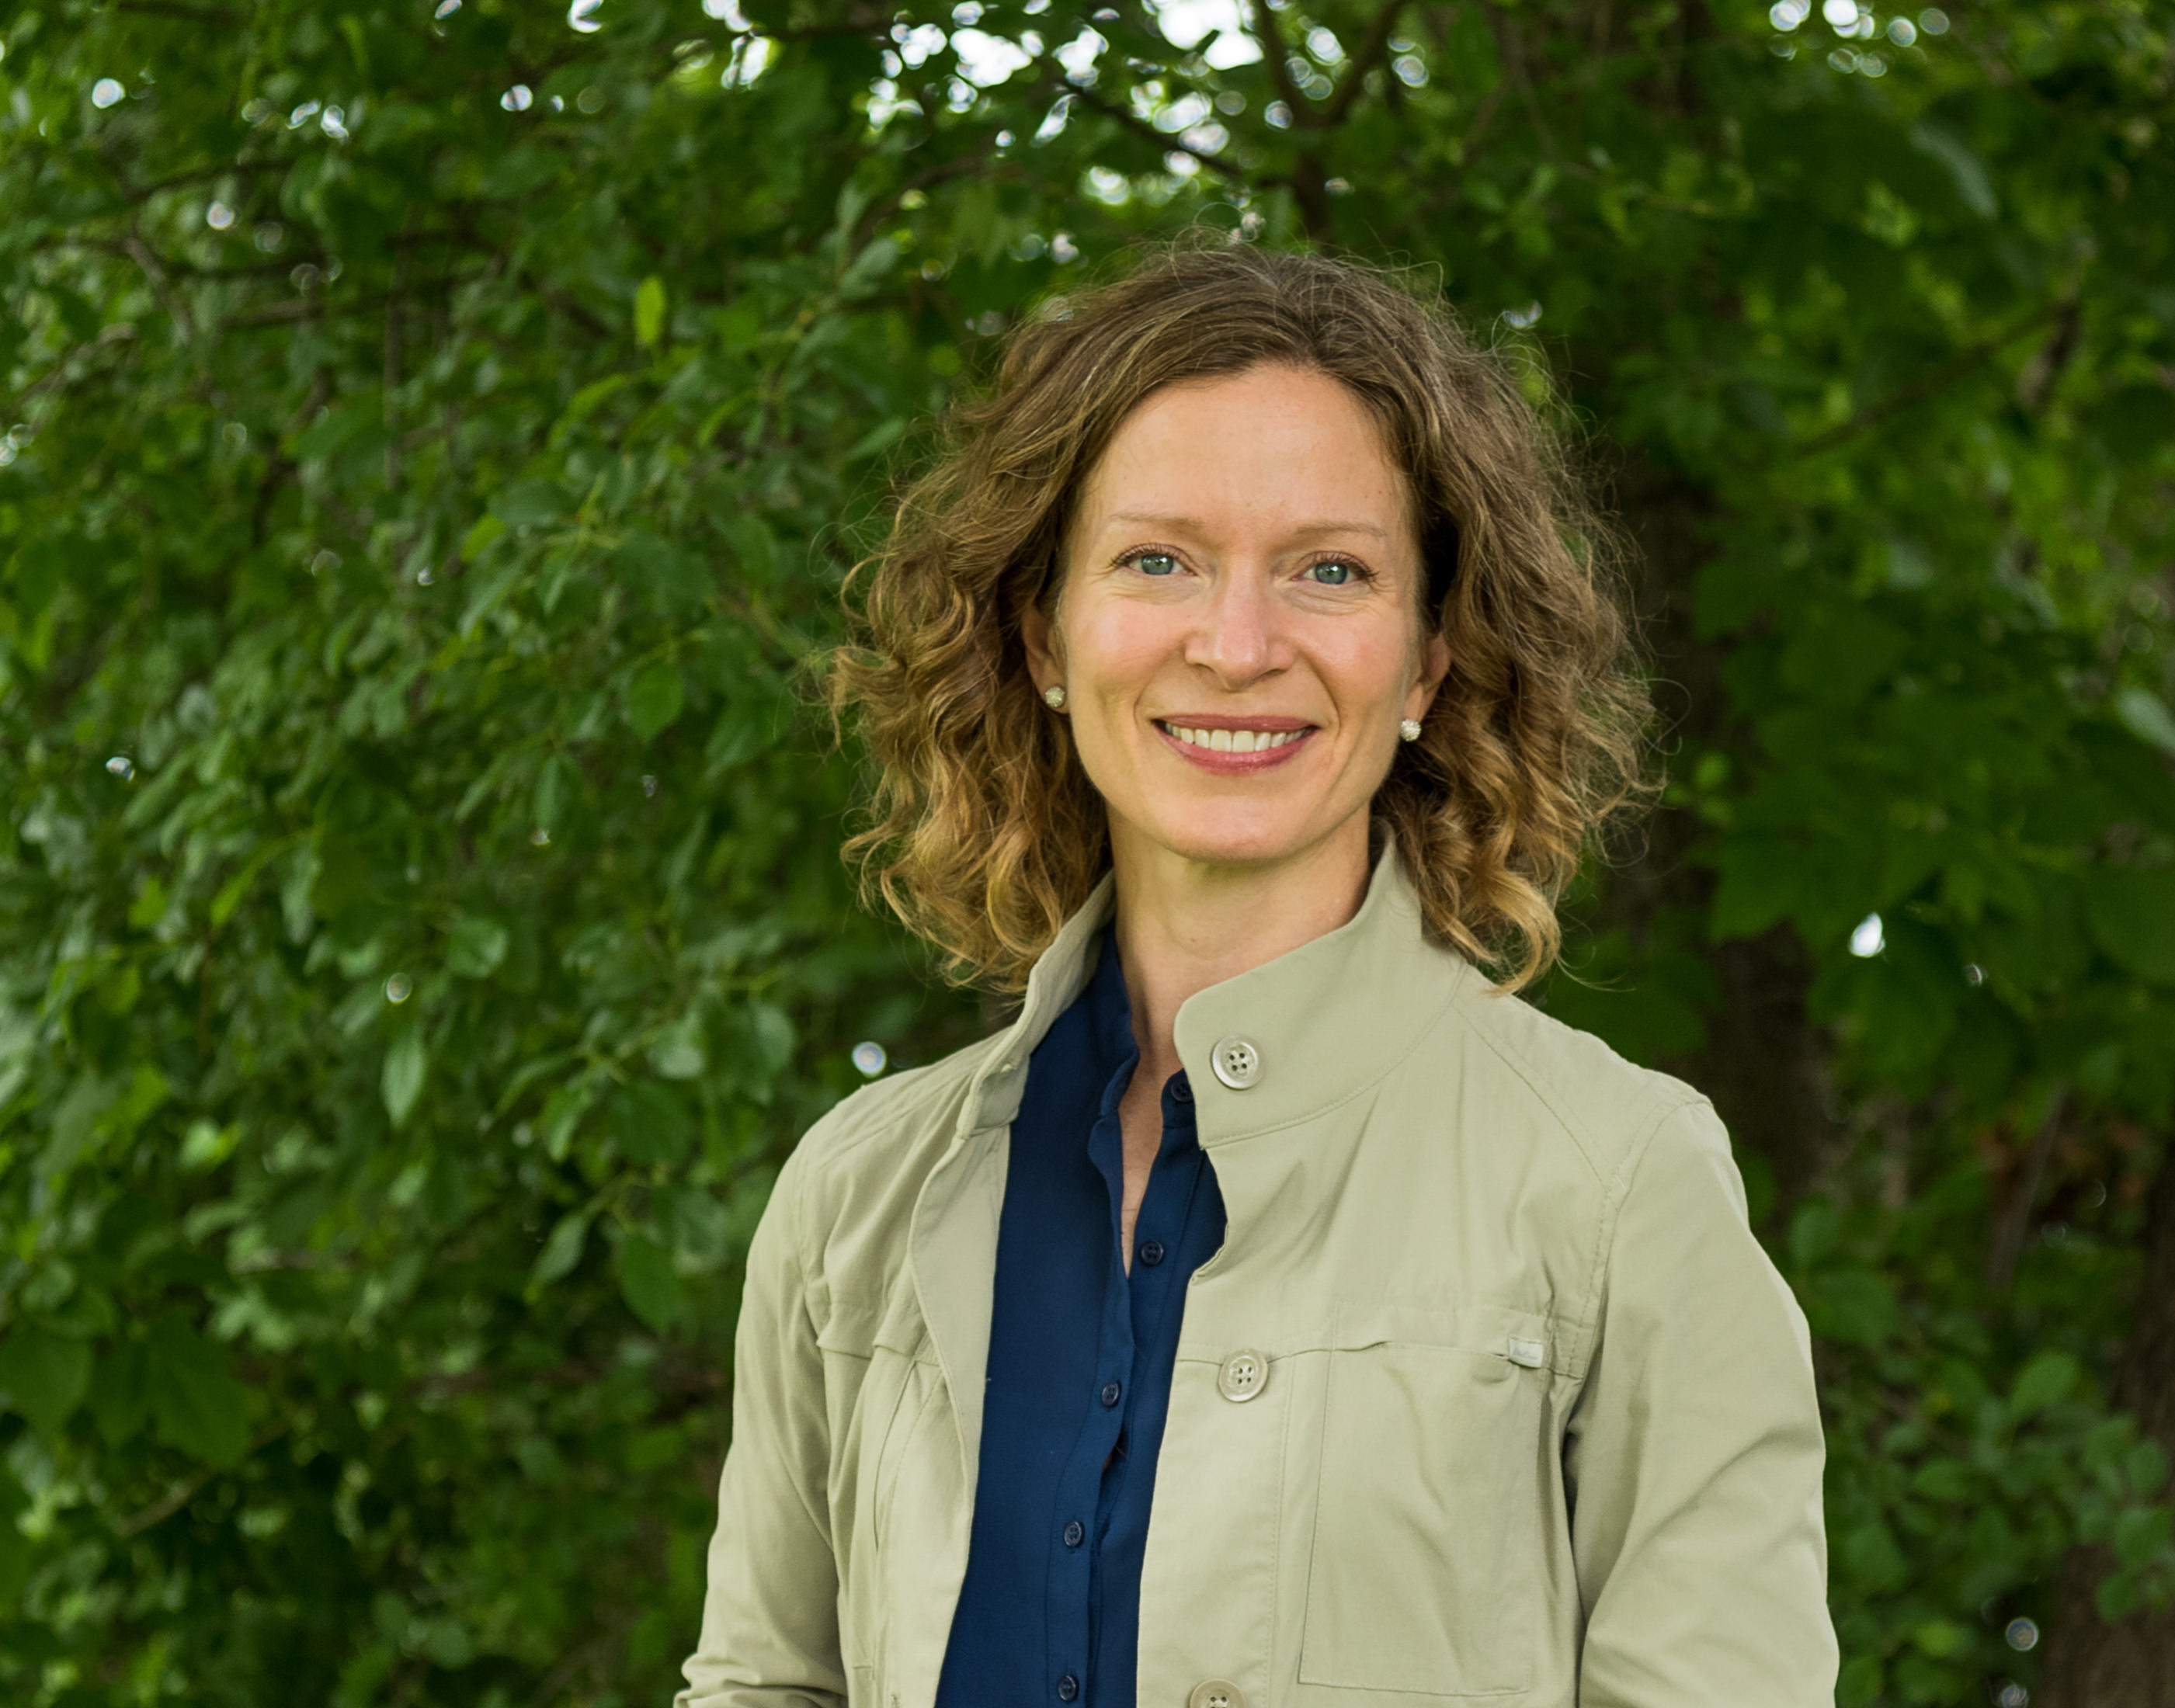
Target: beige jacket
{"x":1489,"y":1392}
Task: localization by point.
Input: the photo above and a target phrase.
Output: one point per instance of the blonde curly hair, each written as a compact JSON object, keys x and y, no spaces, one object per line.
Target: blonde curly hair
{"x":983,"y":834}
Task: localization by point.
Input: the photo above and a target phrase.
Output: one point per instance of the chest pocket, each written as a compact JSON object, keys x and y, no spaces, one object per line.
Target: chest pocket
{"x":1425,"y":1576}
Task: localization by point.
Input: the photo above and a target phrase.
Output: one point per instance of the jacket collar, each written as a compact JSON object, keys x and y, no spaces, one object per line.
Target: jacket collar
{"x":1324,"y":1022}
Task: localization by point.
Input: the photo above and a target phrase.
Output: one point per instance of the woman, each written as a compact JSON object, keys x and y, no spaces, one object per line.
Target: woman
{"x":1278,"y":1311}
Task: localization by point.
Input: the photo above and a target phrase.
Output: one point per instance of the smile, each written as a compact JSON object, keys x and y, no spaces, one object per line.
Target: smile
{"x":1233,"y":741}
{"x":1219,"y":746}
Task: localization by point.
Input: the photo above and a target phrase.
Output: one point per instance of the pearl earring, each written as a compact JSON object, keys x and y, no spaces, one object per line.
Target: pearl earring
{"x":1409,"y":730}
{"x":1054,"y":696}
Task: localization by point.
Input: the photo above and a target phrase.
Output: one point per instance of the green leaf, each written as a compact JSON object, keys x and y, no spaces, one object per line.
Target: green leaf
{"x":562,"y":1113}
{"x":556,"y":786}
{"x":879,"y":437}
{"x":672,"y":577}
{"x":1940,"y":1637}
{"x":2047,"y":1380}
{"x":1761,"y":881}
{"x":649,"y":312}
{"x":678,"y":1051}
{"x":231,"y":893}
{"x":120,"y":1392}
{"x":2131,"y":911}
{"x":2147,"y":717}
{"x":698,"y":1228}
{"x":44,"y":1375}
{"x":651,"y":1123}
{"x":562,"y":1249}
{"x":1966,"y":170}
{"x":486,"y":529}
{"x":1852,"y":1304}
{"x":407,"y":1061}
{"x":531,"y":504}
{"x":195,"y":1404}
{"x":2140,"y":1533}
{"x":474,"y":946}
{"x":648,"y":1282}
{"x":654,"y":697}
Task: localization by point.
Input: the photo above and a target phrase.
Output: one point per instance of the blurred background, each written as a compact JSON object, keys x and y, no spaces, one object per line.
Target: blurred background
{"x":436,"y":432}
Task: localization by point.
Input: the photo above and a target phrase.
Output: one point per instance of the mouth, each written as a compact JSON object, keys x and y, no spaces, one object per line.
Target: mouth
{"x":1234,"y":744}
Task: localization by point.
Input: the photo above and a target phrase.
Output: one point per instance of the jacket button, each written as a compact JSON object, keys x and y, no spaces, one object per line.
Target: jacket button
{"x":1243,"y":1375}
{"x":1216,"y":1693}
{"x":1237,"y":1061}
{"x":1068,"y":1687}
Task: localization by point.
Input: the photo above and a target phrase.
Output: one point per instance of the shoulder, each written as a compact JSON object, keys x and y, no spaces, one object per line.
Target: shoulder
{"x":863,"y":1162}
{"x":1573,"y":1086}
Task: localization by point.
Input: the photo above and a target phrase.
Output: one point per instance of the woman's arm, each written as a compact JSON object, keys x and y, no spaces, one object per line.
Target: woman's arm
{"x":770,"y":1633}
{"x":1695,"y":1454}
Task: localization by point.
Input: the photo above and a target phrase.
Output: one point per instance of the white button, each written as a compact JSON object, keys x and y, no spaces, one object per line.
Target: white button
{"x":1237,"y":1062}
{"x":1244,"y":1375}
{"x":1521,"y":1351}
{"x":1216,"y":1693}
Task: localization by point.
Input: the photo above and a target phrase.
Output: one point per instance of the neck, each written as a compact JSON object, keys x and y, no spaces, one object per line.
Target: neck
{"x":1185,"y":924}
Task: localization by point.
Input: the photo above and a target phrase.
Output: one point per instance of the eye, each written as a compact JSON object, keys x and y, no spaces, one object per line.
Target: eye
{"x":1153,"y":563}
{"x":1333,"y":571}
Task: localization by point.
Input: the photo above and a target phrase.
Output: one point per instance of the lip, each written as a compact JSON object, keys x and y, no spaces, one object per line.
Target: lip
{"x":1237,"y":764}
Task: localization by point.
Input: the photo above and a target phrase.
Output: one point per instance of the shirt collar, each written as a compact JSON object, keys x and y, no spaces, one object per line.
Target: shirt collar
{"x":1110,"y":1020}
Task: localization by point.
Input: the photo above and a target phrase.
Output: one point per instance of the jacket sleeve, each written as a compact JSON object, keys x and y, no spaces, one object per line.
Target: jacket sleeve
{"x":1694,"y":1456}
{"x":770,"y":1619}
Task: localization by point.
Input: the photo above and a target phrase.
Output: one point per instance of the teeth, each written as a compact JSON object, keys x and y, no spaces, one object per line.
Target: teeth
{"x":1235,"y":740}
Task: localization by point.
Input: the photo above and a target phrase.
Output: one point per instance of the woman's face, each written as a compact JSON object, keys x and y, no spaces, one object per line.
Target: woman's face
{"x":1238,"y":632}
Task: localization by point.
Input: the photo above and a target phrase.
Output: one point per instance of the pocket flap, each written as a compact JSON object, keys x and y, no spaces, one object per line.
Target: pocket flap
{"x":1524,"y":1337}
{"x":856,"y":1328}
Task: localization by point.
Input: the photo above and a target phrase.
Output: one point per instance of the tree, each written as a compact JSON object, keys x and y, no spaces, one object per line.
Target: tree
{"x":435,"y":444}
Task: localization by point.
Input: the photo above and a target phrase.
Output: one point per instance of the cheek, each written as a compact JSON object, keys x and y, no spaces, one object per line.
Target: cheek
{"x":1369,"y":666}
{"x":1111,"y":649}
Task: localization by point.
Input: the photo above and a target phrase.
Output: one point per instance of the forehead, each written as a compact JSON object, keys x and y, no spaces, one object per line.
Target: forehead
{"x":1270,"y":447}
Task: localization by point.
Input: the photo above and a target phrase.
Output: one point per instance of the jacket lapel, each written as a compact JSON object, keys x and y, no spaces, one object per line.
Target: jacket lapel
{"x":952,"y":1244}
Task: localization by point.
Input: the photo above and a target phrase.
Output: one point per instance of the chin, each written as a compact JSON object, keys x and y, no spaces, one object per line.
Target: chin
{"x":1217,"y":840}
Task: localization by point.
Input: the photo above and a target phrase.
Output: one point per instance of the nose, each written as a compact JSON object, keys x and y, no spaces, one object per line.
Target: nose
{"x":1238,"y":638}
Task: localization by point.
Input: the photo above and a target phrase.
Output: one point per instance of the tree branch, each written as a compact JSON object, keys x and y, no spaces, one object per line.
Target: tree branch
{"x":1938,"y":378}
{"x":1133,"y":121}
{"x":2014,"y":1225}
{"x":210,"y":15}
{"x":1373,"y":51}
{"x":1277,"y":55}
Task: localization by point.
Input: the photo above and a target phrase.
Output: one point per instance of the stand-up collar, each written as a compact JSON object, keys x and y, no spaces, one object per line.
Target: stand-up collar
{"x":1303,"y":1032}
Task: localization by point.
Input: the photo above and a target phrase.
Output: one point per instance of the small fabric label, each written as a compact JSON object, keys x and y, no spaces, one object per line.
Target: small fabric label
{"x":1529,"y":1352}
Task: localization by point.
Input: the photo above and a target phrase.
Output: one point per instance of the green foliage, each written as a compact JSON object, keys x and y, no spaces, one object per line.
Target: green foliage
{"x":434,"y":447}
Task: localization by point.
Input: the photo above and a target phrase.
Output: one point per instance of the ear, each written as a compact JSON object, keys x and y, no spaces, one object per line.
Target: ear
{"x":1434,"y":665}
{"x":1038,"y":635}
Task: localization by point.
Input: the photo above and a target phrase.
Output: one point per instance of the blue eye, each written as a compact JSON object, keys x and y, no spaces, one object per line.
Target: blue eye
{"x":1156,"y":563}
{"x":1331,"y":573}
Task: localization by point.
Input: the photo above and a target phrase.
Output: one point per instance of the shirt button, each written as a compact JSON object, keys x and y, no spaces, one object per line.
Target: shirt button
{"x":1075,"y":1533}
{"x":1110,"y":1392}
{"x":1068,"y":1687}
{"x":1152,"y":1252}
{"x":1181,"y":1089}
{"x":1237,"y":1061}
{"x":1243,"y":1375}
{"x":1216,"y":1693}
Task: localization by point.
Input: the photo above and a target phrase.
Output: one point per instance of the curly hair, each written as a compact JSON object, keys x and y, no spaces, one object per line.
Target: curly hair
{"x":983,"y":834}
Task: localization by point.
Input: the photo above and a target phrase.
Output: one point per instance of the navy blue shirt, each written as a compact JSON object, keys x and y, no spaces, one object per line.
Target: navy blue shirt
{"x":1079,"y":1377}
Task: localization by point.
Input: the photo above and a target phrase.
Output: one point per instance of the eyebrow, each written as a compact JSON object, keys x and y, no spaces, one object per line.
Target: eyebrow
{"x":1170,"y":519}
